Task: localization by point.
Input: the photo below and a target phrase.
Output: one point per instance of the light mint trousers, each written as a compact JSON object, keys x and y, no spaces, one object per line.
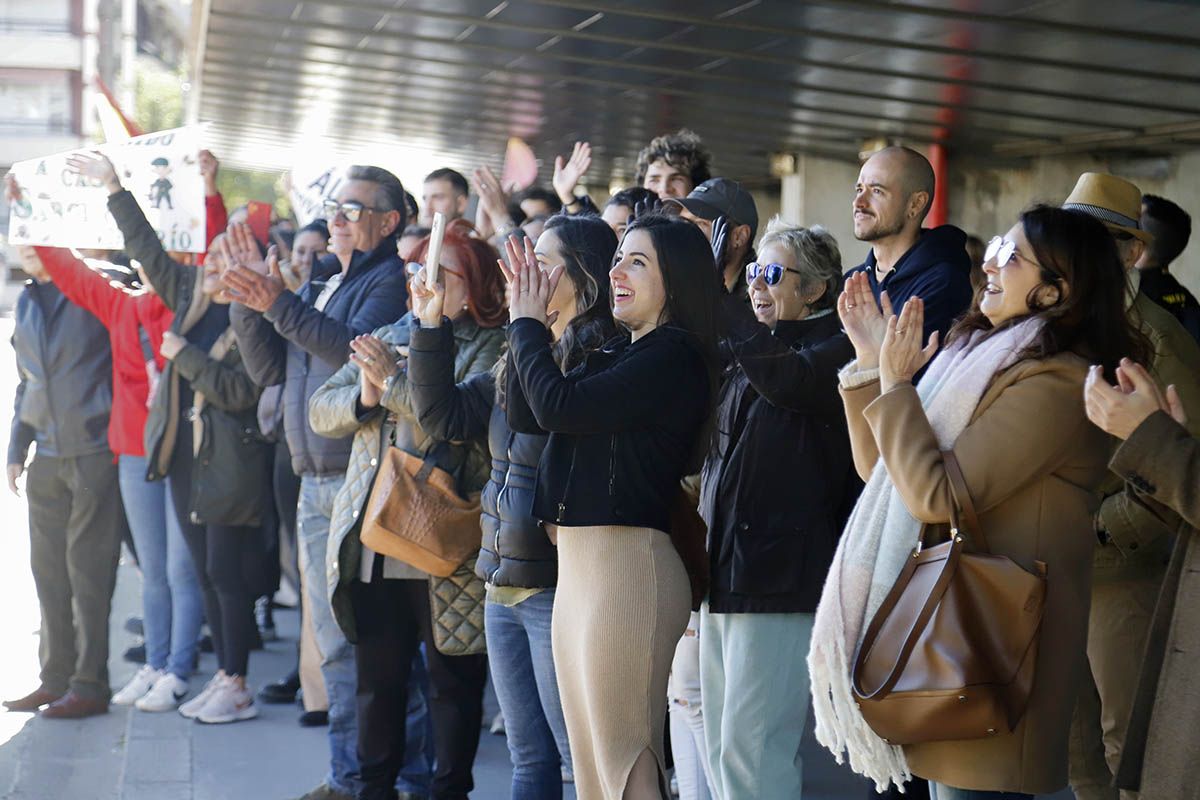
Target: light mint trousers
{"x":755,"y":694}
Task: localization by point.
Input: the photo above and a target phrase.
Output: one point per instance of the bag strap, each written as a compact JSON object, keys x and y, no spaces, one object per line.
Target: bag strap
{"x":962,"y":499}
{"x":429,"y":462}
{"x":949,"y":567}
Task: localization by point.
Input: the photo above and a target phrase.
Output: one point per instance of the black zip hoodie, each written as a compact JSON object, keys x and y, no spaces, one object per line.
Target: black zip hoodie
{"x":937,"y":269}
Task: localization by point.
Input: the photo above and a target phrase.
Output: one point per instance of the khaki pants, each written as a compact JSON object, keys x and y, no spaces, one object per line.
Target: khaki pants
{"x":1120,"y":619}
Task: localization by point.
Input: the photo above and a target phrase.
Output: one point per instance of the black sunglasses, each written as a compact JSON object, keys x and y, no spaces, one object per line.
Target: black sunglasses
{"x":772,"y":273}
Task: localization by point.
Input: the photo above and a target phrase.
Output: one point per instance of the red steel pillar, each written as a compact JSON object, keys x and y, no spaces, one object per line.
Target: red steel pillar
{"x":938,"y":212}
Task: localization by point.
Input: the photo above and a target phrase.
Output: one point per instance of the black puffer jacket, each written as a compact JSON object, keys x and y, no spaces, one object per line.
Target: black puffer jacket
{"x":515,"y":549}
{"x":779,"y":481}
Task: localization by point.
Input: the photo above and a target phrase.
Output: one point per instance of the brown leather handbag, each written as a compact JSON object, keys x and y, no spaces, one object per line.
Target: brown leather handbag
{"x":951,"y":653}
{"x":415,"y":514}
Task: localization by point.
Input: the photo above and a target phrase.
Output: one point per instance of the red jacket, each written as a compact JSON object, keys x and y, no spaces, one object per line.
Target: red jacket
{"x":122,"y":311}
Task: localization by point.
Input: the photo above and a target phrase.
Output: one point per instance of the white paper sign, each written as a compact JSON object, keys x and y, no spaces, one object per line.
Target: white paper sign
{"x":61,"y":209}
{"x":312,"y":185}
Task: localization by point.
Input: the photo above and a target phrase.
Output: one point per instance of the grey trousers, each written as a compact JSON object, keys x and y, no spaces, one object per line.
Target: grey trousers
{"x":76,"y":522}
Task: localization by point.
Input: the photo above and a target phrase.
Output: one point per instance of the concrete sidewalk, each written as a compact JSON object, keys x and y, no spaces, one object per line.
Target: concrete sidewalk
{"x":129,"y":755}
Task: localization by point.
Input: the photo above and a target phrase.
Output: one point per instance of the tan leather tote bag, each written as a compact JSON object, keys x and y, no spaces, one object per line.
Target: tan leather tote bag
{"x":951,"y":653}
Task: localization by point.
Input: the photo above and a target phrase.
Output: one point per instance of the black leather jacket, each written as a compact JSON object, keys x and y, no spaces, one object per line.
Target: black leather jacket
{"x":779,"y":481}
{"x":623,"y":425}
{"x":515,"y":550}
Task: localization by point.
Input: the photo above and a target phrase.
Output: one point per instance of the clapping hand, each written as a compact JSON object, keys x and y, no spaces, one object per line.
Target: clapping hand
{"x":377,"y":362}
{"x":249,"y":287}
{"x":568,"y":174}
{"x":1119,"y":410}
{"x":862,"y":320}
{"x":244,"y":249}
{"x":643,"y":207}
{"x":530,"y":287}
{"x":96,"y":166}
{"x":493,"y":202}
{"x":427,"y":302}
{"x":901,"y":356}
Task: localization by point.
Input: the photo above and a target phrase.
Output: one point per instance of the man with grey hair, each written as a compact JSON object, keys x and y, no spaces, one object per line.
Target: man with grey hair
{"x":299,"y":340}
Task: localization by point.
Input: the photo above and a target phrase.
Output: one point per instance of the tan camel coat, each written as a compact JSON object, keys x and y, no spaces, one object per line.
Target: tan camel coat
{"x":1032,"y":463}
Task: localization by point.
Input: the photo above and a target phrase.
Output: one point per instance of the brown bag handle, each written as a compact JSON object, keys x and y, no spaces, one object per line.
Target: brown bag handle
{"x":962,"y":499}
{"x":949,"y":567}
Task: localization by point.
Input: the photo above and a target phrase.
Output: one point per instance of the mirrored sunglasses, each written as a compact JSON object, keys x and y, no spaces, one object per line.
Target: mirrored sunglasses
{"x":772,"y":273}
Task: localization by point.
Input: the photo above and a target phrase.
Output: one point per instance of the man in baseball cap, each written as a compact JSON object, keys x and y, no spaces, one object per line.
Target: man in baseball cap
{"x":1133,"y":545}
{"x":722,"y":198}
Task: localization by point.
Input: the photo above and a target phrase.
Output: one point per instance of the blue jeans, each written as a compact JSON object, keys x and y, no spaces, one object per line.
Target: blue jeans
{"x":522,"y":665}
{"x":313,"y":517}
{"x":938,"y":791}
{"x":172,"y":605}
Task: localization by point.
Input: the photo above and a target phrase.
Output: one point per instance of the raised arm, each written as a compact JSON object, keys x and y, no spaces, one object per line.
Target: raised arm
{"x":1000,"y":452}
{"x":1161,"y":461}
{"x":616,"y":399}
{"x":264,"y":351}
{"x":803,"y":381}
{"x":172,"y":281}
{"x":334,"y":410}
{"x":82,"y":285}
{"x":328,"y":338}
{"x":446,"y":410}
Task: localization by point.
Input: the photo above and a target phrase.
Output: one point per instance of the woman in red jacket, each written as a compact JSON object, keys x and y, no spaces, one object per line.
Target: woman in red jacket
{"x":172,"y":604}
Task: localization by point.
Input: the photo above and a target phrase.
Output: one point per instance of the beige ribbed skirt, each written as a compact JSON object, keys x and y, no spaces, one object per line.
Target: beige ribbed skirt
{"x":622,"y":603}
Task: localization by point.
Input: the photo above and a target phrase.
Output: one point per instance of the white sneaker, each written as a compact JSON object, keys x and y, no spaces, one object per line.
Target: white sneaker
{"x":138,"y":685}
{"x":229,"y":703}
{"x":165,"y":695}
{"x":194,"y":706}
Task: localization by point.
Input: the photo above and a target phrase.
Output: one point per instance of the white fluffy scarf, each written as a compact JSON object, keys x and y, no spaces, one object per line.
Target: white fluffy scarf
{"x":878,"y":537}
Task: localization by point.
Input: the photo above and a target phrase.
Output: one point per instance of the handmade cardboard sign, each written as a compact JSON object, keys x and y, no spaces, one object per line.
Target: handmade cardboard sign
{"x":310,"y":185}
{"x":59,"y":208}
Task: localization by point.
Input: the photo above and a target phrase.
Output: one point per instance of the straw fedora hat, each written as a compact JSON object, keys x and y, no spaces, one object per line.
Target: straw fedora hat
{"x":1114,"y":201}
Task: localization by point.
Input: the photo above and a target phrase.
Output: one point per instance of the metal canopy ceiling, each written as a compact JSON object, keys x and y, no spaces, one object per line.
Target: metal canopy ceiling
{"x":453,"y":79}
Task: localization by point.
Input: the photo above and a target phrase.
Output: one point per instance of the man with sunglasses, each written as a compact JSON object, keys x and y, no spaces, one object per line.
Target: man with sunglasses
{"x":727,"y":214}
{"x":299,"y":340}
{"x":1133,"y":544}
{"x":892,"y":197}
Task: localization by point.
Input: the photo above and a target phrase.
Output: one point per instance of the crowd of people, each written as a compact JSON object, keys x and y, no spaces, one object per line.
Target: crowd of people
{"x":691,"y":462}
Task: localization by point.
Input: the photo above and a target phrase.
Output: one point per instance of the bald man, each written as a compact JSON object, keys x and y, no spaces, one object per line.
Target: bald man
{"x":891,"y":199}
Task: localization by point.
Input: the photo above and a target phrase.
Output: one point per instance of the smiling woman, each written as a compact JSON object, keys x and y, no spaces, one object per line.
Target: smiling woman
{"x":624,"y":428}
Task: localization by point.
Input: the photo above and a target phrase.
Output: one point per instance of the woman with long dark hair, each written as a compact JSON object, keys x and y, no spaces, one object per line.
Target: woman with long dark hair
{"x":517,"y":559}
{"x":381,"y":603}
{"x":1005,"y":396}
{"x":625,"y":427}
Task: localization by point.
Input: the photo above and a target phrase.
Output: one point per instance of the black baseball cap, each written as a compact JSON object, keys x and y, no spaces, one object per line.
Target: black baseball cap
{"x":721,"y":197}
